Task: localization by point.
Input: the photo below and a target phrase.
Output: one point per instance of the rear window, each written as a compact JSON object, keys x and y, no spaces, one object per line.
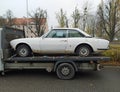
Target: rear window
{"x":74,"y":33}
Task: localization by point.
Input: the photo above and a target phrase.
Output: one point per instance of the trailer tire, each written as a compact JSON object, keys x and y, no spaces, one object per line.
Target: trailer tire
{"x":65,"y":71}
{"x":2,"y":73}
{"x":23,"y":50}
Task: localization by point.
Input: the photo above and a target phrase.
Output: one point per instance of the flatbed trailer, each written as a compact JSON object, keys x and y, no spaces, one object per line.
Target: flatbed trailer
{"x":64,"y":66}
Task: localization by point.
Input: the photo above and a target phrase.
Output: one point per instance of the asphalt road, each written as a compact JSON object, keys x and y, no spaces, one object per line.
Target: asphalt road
{"x":106,"y":80}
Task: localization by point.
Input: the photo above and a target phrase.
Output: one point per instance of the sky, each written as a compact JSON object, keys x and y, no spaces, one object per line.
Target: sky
{"x":18,"y":7}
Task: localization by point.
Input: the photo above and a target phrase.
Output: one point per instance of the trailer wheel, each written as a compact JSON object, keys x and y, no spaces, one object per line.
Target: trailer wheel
{"x":83,"y":51}
{"x":2,"y":73}
{"x":65,"y":71}
{"x":23,"y":50}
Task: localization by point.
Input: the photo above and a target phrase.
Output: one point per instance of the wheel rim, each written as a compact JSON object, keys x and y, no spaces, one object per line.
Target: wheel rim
{"x":84,"y":51}
{"x":65,"y":71}
{"x":23,"y":52}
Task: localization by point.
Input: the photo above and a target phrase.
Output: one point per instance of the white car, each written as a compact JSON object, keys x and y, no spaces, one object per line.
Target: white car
{"x":60,"y":41}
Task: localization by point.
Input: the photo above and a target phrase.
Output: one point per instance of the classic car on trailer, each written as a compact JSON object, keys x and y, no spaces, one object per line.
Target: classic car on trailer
{"x":65,"y":66}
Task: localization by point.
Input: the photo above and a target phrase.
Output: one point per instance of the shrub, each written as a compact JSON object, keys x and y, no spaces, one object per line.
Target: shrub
{"x":113,"y":52}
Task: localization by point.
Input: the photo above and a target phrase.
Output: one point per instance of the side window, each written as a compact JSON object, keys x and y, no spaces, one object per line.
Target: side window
{"x":58,"y":33}
{"x":74,"y":33}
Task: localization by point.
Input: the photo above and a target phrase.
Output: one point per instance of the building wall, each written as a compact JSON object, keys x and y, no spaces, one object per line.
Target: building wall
{"x":30,"y":31}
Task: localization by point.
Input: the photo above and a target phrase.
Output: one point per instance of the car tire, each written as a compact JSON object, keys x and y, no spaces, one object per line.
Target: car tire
{"x":23,"y":50}
{"x":65,"y":71}
{"x":83,"y":51}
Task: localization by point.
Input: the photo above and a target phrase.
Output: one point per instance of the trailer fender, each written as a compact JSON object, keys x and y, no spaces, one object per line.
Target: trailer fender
{"x":70,"y":62}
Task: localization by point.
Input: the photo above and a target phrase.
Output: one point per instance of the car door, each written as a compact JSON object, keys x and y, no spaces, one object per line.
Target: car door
{"x":74,"y":39}
{"x":54,"y":42}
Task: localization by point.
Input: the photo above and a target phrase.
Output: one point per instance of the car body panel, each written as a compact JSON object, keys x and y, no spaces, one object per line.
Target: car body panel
{"x":53,"y":45}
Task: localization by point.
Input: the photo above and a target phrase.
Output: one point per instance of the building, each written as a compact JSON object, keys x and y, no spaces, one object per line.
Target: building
{"x":29,"y":26}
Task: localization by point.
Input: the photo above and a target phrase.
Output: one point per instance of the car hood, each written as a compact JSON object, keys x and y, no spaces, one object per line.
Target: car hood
{"x":100,"y":38}
{"x":24,"y":39}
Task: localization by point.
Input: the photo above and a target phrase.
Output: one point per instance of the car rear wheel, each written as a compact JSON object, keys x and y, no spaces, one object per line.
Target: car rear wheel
{"x":23,"y":50}
{"x":83,"y":51}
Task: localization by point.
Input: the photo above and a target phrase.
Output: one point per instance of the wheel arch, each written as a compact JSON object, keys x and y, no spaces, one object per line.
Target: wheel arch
{"x":83,"y":44}
{"x":23,"y":44}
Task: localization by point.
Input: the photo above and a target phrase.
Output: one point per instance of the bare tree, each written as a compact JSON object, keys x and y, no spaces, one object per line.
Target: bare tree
{"x":9,"y":18}
{"x":109,"y":18}
{"x":62,"y":18}
{"x":40,"y":20}
{"x":2,"y":21}
{"x":87,"y":7}
{"x":84,"y":18}
{"x":99,"y":28}
{"x":91,"y":25}
{"x":76,"y":18}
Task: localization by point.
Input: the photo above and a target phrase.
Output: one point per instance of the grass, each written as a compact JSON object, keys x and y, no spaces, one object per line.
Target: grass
{"x":114,"y":53}
{"x":115,"y":46}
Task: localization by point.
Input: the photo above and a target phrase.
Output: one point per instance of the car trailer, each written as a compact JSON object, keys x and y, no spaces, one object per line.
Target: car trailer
{"x":64,"y":66}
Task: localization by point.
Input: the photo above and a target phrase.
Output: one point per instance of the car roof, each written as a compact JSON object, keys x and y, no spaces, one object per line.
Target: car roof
{"x":68,"y":28}
{"x":73,"y":29}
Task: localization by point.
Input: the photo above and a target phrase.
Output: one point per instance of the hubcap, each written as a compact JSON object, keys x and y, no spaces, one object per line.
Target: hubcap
{"x":65,"y":70}
{"x":23,"y":52}
{"x":84,"y":51}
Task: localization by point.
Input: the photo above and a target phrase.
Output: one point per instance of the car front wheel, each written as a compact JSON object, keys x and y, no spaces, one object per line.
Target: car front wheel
{"x":23,"y":50}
